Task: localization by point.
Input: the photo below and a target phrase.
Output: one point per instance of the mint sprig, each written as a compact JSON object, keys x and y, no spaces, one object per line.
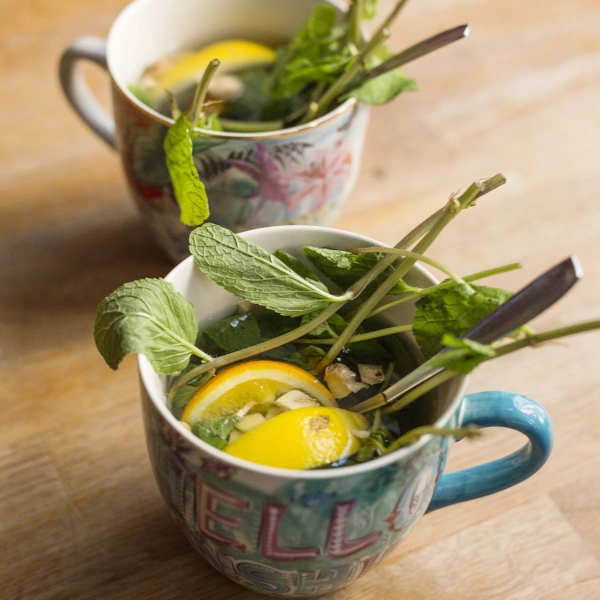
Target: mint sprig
{"x":453,"y":311}
{"x":147,"y":317}
{"x":253,"y":274}
{"x":190,"y":193}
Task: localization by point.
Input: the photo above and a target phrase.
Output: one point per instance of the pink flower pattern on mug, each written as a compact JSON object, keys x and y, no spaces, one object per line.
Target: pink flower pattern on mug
{"x":321,"y":179}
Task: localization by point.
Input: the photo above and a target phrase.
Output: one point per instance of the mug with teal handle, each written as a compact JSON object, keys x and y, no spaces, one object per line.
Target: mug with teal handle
{"x":299,"y":534}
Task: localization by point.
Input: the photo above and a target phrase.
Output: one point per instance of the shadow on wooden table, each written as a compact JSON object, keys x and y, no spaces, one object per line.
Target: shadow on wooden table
{"x":54,"y":277}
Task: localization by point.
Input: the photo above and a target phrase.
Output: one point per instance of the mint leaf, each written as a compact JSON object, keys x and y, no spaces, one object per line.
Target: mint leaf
{"x":147,"y":317}
{"x":306,"y":358}
{"x":216,"y":431}
{"x":235,"y":333}
{"x":189,"y":190}
{"x":345,"y":268}
{"x":253,"y":274}
{"x":452,"y":310}
{"x":385,"y":87}
{"x":316,"y":53}
{"x":299,"y":267}
{"x":467,"y":355}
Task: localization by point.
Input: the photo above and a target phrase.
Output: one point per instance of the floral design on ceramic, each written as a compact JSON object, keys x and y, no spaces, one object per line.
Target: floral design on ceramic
{"x":300,"y":538}
{"x":300,"y":178}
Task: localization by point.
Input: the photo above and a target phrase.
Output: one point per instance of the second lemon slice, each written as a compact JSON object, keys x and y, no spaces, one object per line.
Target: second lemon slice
{"x":233,"y":54}
{"x":303,"y":438}
{"x":260,"y":381}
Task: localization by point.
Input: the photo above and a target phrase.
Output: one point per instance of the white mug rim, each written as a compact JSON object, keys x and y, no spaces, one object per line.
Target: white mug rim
{"x":135,"y":5}
{"x":158,"y":400}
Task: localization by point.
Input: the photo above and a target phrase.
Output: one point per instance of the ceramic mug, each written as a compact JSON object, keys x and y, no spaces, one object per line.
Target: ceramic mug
{"x":298,"y":175}
{"x":298,"y":534}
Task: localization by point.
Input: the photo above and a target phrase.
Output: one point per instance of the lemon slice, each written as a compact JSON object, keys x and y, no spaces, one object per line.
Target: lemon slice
{"x":303,"y":438}
{"x":233,"y":54}
{"x":260,"y":381}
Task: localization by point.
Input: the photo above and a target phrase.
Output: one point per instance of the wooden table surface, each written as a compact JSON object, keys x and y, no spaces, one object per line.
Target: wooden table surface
{"x":80,"y":514}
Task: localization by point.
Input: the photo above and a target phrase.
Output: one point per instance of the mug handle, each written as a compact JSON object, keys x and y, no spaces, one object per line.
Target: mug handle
{"x":498,"y":409}
{"x":76,"y":89}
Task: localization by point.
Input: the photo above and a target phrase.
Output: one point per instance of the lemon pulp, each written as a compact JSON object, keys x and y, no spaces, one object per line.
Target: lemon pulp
{"x":260,"y":381}
{"x":233,"y":55}
{"x":303,"y":438}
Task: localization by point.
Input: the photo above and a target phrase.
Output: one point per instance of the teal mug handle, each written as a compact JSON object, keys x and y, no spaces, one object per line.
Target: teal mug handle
{"x":498,"y":409}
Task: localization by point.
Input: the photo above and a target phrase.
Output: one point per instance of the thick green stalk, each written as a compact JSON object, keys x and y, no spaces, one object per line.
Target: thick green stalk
{"x":533,"y":340}
{"x":251,"y":126}
{"x":441,"y":286}
{"x":419,"y":257}
{"x":360,"y":337}
{"x":286,"y":338}
{"x":354,"y":21}
{"x":196,"y":111}
{"x":452,"y":208}
{"x":547,"y":336}
{"x":414,"y":435}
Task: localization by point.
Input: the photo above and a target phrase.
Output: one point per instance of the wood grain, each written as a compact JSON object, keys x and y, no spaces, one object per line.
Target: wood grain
{"x":80,"y":515}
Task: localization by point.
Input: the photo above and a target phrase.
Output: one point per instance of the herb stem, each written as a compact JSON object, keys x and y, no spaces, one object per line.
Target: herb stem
{"x":286,"y":338}
{"x":354,"y":20}
{"x":175,"y":110}
{"x":177,"y":385}
{"x":443,"y":285}
{"x":450,"y":210}
{"x":420,"y":257}
{"x":414,"y":435}
{"x":547,"y":336}
{"x":251,"y":126}
{"x":360,"y":337}
{"x":196,"y":112}
{"x":316,"y":109}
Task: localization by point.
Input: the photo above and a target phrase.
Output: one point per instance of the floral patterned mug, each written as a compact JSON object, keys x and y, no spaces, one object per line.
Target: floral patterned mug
{"x":300,"y":175}
{"x":299,"y":534}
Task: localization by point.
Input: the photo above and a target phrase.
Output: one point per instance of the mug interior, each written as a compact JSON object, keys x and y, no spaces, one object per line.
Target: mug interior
{"x":211,"y":303}
{"x":147,"y":30}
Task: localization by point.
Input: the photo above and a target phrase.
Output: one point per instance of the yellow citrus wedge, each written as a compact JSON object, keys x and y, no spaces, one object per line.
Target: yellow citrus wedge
{"x":303,"y":438}
{"x":233,"y":54}
{"x":260,"y":381}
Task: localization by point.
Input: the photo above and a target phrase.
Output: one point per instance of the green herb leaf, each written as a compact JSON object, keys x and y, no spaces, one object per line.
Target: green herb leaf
{"x":375,"y":445}
{"x":189,"y":190}
{"x":385,"y":87}
{"x":182,"y":397}
{"x":306,"y":358}
{"x":299,"y":267}
{"x":216,"y":431}
{"x":147,"y":317}
{"x":235,"y":333}
{"x":467,"y":355}
{"x":141,"y":94}
{"x":316,"y":53}
{"x":345,"y":268}
{"x":452,"y":310}
{"x":253,"y":274}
